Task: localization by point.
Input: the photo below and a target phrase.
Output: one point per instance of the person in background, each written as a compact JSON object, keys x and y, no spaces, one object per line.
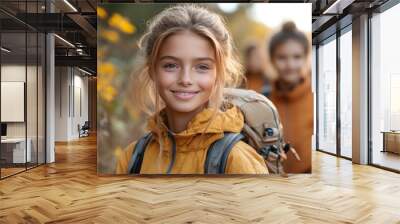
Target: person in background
{"x":289,"y":51}
{"x":255,"y":74}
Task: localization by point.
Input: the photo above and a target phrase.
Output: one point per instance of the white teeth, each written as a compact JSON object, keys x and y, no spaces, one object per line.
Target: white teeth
{"x":184,"y":93}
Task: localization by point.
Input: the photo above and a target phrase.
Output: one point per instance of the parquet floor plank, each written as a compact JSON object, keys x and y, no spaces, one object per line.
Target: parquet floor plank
{"x":70,"y":191}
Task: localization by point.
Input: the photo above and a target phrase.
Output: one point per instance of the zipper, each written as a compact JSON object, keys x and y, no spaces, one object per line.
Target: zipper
{"x":173,"y":152}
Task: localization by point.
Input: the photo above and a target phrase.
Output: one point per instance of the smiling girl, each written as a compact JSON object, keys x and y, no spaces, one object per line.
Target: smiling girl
{"x":188,"y":60}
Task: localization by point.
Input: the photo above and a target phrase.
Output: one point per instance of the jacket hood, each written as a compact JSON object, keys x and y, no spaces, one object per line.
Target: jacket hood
{"x":197,"y":135}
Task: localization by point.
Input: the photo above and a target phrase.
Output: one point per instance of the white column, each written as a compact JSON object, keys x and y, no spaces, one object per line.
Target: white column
{"x":360,"y":90}
{"x":50,"y":93}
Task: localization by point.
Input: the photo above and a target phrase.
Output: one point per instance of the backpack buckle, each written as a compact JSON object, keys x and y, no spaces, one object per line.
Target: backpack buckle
{"x":268,"y":132}
{"x":270,"y":153}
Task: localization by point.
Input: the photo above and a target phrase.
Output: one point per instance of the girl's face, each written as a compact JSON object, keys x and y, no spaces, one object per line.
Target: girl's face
{"x":185,"y":72}
{"x":289,"y":59}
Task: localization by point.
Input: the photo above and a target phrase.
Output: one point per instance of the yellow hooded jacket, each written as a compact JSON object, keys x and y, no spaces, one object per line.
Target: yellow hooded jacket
{"x":191,"y":147}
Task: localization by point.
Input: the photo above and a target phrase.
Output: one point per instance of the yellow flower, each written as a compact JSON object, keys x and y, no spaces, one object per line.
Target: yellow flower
{"x":108,"y":93}
{"x":101,"y":83}
{"x":101,"y":12}
{"x":110,"y":35}
{"x":107,"y":69}
{"x":121,"y":23}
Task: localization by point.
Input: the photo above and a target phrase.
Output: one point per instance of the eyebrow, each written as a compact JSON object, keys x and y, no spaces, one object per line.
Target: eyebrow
{"x":196,"y":59}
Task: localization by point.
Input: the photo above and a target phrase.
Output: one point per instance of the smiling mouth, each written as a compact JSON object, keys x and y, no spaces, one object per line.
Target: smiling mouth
{"x":184,"y":95}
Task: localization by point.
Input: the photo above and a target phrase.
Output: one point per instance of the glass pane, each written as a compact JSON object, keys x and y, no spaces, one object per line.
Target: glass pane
{"x":41,"y":98}
{"x":346,"y":94}
{"x":327,"y":97}
{"x":13,"y":87}
{"x":386,"y":89}
{"x":22,"y":79}
{"x":313,"y":74}
{"x":31,"y":97}
{"x":31,"y":85}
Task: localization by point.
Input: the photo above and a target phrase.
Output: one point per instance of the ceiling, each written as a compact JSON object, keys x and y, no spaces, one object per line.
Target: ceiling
{"x":72,"y":20}
{"x":76,"y":22}
{"x":331,"y":15}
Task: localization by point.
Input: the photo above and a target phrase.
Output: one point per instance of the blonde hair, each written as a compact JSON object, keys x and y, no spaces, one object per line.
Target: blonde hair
{"x":185,"y":17}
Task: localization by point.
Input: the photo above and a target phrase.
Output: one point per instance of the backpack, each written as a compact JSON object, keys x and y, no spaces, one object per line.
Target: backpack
{"x":262,"y":130}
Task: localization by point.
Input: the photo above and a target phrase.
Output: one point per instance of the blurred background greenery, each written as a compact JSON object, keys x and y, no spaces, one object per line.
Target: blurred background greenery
{"x":119,"y":28}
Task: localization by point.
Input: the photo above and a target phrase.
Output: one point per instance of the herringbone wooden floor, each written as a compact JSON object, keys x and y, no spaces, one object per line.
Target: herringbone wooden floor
{"x":70,"y":191}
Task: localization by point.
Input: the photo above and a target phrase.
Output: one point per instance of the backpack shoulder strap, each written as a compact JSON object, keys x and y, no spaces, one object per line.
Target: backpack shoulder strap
{"x":217,"y":154}
{"x":137,"y":156}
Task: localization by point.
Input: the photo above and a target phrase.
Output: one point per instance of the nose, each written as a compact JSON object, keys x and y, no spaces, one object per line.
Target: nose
{"x":185,"y":78}
{"x":292,"y":64}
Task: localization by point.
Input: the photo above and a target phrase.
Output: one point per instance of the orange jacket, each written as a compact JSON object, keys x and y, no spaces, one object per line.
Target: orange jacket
{"x":191,"y":147}
{"x":295,"y":109}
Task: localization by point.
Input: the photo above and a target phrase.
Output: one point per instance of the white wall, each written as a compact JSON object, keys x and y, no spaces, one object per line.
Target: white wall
{"x":14,"y":73}
{"x":61,"y":103}
{"x":80,"y":110}
{"x":71,"y":93}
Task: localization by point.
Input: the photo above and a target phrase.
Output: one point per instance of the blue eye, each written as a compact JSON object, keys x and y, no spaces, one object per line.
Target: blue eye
{"x":203,"y":67}
{"x":170,"y":66}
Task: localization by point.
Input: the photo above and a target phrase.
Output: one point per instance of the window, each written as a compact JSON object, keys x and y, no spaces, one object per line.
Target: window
{"x":385,"y":89}
{"x":346,"y":93}
{"x":314,"y":84}
{"x":22,"y":76}
{"x":327,"y":96}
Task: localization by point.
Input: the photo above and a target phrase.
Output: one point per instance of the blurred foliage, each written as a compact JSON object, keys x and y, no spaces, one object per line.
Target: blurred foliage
{"x":119,"y":28}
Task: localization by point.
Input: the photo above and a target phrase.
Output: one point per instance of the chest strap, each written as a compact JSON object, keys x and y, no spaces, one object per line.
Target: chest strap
{"x":216,"y":159}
